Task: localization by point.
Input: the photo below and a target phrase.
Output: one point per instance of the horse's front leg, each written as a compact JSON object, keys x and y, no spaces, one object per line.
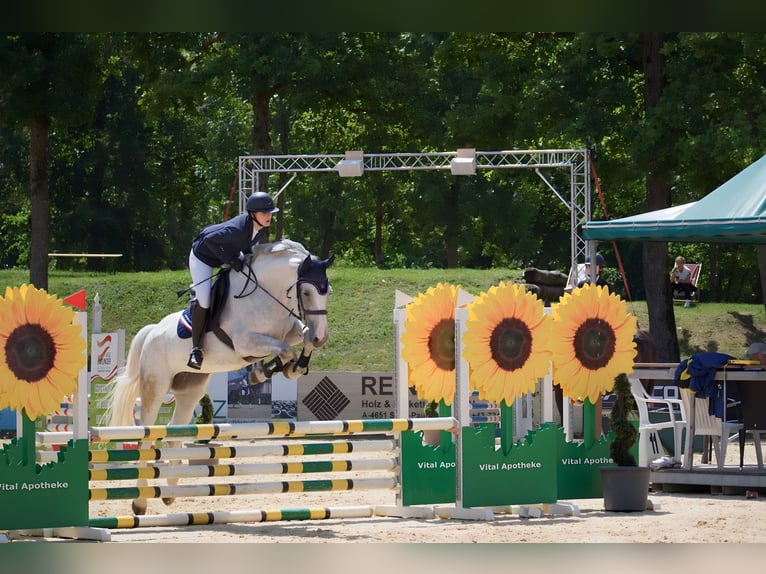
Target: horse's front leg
{"x":264,"y":370}
{"x":265,"y":346}
{"x":301,"y":365}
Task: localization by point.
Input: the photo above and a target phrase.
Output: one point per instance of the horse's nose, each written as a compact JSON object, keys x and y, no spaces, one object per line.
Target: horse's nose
{"x":319,"y":340}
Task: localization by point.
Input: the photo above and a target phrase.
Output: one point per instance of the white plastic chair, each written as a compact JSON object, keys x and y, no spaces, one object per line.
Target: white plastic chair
{"x":706,"y":424}
{"x":649,"y":445}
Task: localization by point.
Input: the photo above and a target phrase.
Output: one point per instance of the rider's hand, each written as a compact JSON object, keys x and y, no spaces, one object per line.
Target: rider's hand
{"x":236,"y":264}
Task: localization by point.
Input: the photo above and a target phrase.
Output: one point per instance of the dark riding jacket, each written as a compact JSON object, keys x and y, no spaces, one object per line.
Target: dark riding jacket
{"x":219,"y":243}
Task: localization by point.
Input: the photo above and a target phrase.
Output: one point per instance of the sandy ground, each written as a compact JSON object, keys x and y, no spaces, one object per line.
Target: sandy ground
{"x":692,"y":518}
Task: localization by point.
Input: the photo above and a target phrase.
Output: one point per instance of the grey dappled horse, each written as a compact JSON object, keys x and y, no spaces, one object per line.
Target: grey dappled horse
{"x":277,"y":301}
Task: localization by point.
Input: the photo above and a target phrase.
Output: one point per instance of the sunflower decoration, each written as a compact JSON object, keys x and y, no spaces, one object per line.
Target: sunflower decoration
{"x":506,"y":342}
{"x":41,"y":351}
{"x":428,"y":343}
{"x":592,"y":341}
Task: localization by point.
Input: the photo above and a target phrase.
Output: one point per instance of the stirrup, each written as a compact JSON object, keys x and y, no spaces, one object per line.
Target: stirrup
{"x":195,"y":359}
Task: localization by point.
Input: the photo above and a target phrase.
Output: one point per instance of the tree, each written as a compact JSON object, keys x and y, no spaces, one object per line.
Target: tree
{"x":50,"y":80}
{"x":659,"y":297}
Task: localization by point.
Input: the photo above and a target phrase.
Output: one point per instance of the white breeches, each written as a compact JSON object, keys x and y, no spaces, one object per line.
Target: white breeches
{"x":201,"y":274}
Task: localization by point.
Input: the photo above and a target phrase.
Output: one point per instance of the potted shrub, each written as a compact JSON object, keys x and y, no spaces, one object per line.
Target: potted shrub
{"x":625,"y":486}
{"x":207,"y":412}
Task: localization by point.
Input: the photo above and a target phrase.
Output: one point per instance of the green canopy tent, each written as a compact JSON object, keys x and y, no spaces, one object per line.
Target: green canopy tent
{"x":735,"y":212}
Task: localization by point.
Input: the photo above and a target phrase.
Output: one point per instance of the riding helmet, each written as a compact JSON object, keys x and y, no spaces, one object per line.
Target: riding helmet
{"x":599,"y":260}
{"x":261,"y":201}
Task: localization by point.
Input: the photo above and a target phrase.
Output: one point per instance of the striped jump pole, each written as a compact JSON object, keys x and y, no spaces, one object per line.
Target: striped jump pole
{"x":245,"y":451}
{"x":231,"y":489}
{"x":200,"y":471}
{"x":229,"y":431}
{"x":201,"y":452}
{"x":228,"y":517}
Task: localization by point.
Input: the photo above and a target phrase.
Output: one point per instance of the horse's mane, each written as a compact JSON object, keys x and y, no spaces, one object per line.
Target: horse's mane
{"x":279,"y":247}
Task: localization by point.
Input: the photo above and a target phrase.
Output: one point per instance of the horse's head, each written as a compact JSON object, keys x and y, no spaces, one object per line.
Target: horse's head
{"x":313,"y":292}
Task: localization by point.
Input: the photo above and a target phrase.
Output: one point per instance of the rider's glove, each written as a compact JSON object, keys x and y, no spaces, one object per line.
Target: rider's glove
{"x":236,"y":264}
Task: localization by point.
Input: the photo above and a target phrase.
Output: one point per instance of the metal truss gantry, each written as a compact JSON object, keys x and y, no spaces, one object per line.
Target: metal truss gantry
{"x":576,"y":161}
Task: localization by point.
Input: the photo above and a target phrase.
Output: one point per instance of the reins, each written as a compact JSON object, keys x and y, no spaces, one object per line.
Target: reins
{"x":250,"y":277}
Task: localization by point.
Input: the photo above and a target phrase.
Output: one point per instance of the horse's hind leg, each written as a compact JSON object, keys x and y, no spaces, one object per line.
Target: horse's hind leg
{"x":150,"y":408}
{"x":188,"y":389}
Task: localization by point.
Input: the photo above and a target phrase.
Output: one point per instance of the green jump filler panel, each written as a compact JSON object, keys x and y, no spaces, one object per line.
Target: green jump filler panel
{"x":578,"y":466}
{"x":43,"y":496}
{"x":526,"y":474}
{"x":428,"y":472}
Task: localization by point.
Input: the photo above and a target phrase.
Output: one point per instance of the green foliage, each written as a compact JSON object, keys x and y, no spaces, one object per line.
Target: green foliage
{"x":147,"y":154}
{"x":13,"y":246}
{"x":625,"y":432}
{"x":207,"y":411}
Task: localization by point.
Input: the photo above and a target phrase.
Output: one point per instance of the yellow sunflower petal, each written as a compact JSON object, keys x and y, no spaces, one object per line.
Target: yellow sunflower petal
{"x":429,"y":324}
{"x":591,"y":309}
{"x":36,"y":382}
{"x":506,"y":342}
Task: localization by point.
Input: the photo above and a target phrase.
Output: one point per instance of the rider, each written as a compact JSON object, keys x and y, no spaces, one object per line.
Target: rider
{"x":600,"y":280}
{"x":223,"y":244}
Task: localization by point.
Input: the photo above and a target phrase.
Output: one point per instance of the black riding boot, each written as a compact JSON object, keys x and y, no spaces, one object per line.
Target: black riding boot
{"x":199,"y":322}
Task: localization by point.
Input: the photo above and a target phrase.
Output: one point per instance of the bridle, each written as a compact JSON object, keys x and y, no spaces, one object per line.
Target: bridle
{"x":321,"y":287}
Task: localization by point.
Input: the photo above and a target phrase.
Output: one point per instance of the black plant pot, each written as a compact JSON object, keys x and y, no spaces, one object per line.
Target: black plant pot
{"x":625,"y":488}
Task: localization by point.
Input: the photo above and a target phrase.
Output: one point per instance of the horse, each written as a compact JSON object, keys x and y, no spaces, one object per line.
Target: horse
{"x":277,"y":301}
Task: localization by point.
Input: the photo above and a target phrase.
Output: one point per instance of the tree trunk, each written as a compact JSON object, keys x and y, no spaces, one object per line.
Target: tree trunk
{"x":283,"y":144}
{"x":659,"y":298}
{"x":452,"y":228}
{"x":39,"y":202}
{"x":261,"y":137}
{"x":713,"y":285}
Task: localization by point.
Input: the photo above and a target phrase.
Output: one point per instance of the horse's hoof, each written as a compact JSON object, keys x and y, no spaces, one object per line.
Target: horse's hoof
{"x":294,"y":372}
{"x":168,"y":501}
{"x":138,"y":508}
{"x":257,"y":376}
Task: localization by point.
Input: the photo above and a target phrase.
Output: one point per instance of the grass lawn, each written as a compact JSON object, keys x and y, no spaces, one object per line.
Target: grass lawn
{"x":361,"y":309}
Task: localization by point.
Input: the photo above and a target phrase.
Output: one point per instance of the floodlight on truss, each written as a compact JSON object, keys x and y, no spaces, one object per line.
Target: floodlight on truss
{"x":464,"y":163}
{"x":352,"y":165}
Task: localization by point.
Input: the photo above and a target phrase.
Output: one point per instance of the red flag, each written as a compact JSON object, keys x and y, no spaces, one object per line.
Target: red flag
{"x":77,"y":300}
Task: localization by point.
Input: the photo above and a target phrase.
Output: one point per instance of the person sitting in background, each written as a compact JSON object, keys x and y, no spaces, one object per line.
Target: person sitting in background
{"x":599,"y":269}
{"x":681,"y":277}
{"x":757,"y":352}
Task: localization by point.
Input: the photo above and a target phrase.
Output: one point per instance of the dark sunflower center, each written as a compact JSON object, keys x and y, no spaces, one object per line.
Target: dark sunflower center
{"x":594,"y":343}
{"x":441,"y":344}
{"x":511,"y":343}
{"x":30,"y":352}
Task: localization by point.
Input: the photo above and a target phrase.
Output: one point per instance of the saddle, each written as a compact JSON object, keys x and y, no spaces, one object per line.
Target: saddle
{"x":218,"y":295}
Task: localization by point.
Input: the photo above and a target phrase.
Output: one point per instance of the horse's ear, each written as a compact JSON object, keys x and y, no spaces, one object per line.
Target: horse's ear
{"x":329,"y":261}
{"x":305,"y":266}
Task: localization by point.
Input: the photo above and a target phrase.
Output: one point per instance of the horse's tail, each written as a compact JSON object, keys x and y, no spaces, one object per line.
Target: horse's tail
{"x":125,"y":389}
